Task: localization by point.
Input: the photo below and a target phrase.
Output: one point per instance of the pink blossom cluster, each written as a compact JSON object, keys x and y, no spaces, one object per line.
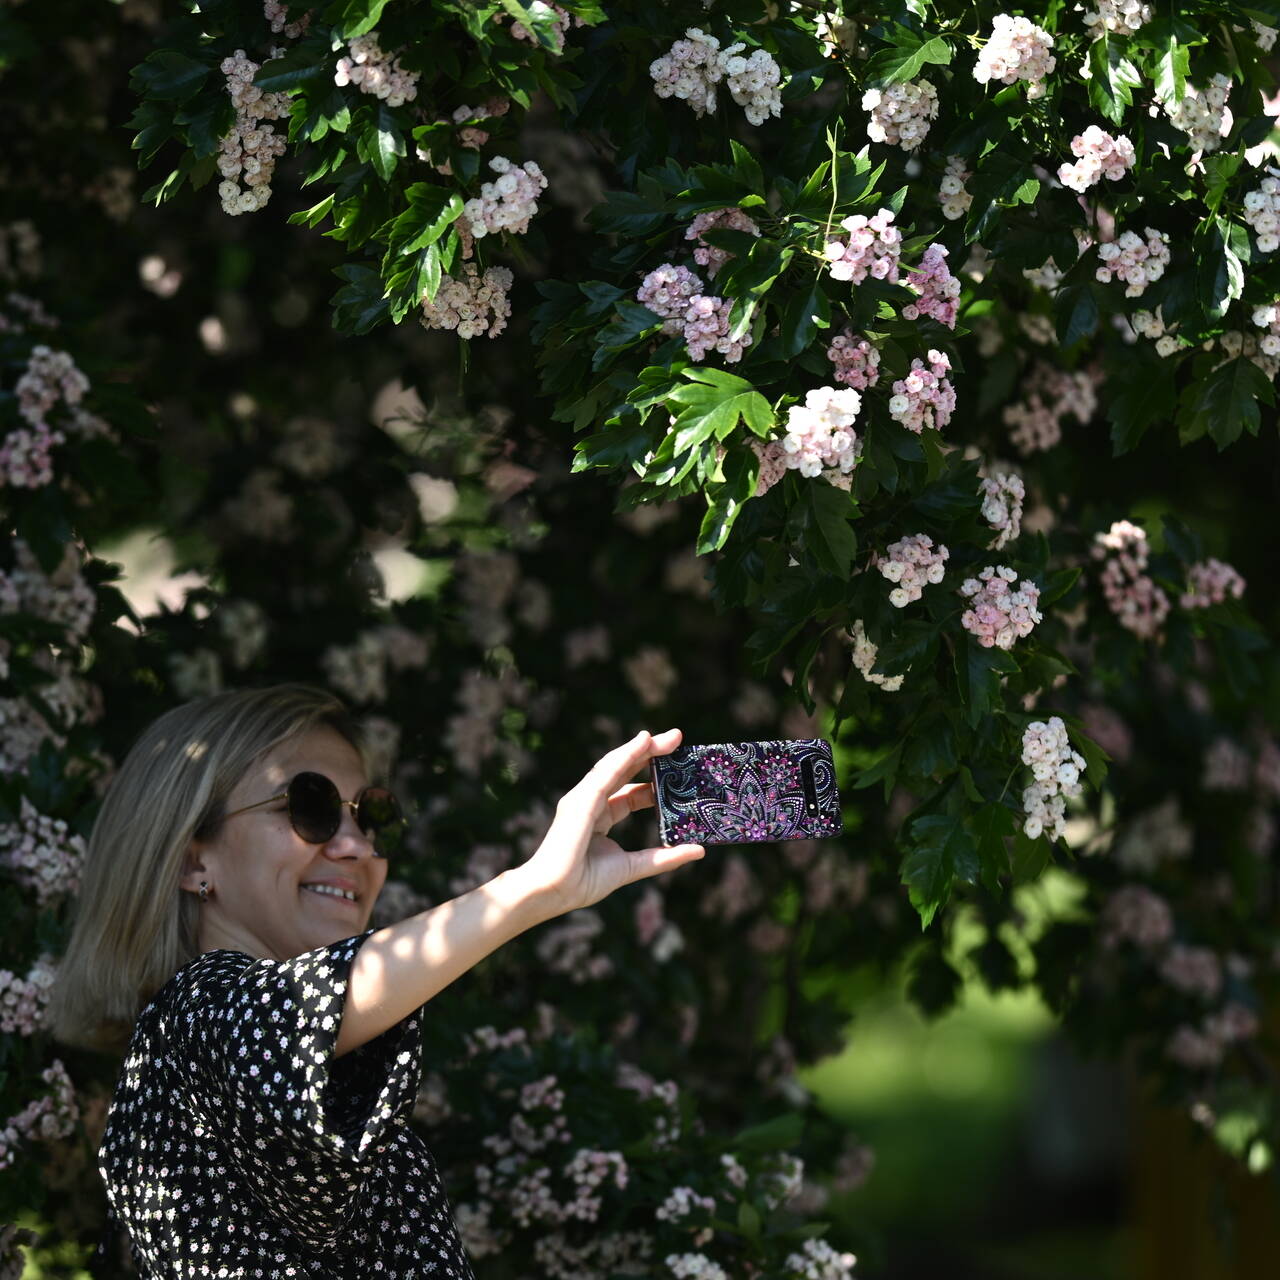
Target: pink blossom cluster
{"x":23,"y":1000}
{"x":1136,"y":261}
{"x":681,"y":1202}
{"x":857,"y":362}
{"x":32,"y":312}
{"x":1016,"y":50}
{"x":250,"y":149}
{"x":911,"y":563}
{"x":62,"y":597}
{"x":649,"y":671}
{"x":560,"y":21}
{"x":1226,"y":766}
{"x":864,"y":659}
{"x":471,"y":304}
{"x":1135,"y":914}
{"x":508,"y":202}
{"x":1195,"y":971}
{"x":954,"y":198}
{"x":1210,"y":582}
{"x":1098,"y":155}
{"x":925,"y":396}
{"x":1138,"y":604}
{"x":690,"y":71}
{"x":773,"y":464}
{"x":50,"y":376}
{"x":566,"y":948}
{"x":1236,"y":342}
{"x":1203,"y":113}
{"x":1003,"y":494}
{"x":736,"y":894}
{"x":1049,"y":395}
{"x":694,"y":1266}
{"x":707,"y":255}
{"x":359,"y":670}
{"x":376,"y":73}
{"x":692,"y":68}
{"x":871,"y":248}
{"x":471,"y":735}
{"x":42,"y":853}
{"x":1262,"y":212}
{"x":999,"y":613}
{"x":1203,"y":1048}
{"x":675,"y":294}
{"x":53,"y":1116}
{"x":653,"y":930}
{"x":276,"y":14}
{"x":820,"y":434}
{"x":1156,"y":835}
{"x":1055,"y":770}
{"x":1117,"y":17}
{"x":901,"y":113}
{"x":939,"y":290}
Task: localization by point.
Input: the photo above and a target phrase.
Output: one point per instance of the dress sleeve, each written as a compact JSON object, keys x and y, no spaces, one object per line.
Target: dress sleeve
{"x":254,"y":1040}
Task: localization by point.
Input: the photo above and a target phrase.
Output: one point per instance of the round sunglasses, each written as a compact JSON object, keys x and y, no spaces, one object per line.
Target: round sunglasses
{"x":315,"y":812}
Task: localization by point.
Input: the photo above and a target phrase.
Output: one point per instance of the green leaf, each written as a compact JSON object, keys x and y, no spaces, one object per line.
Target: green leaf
{"x":616,"y":447}
{"x":833,"y":540}
{"x":387,"y":143}
{"x":433,"y":210}
{"x":1076,"y":310}
{"x":310,"y":60}
{"x":356,"y":17}
{"x":170,"y":75}
{"x":885,"y":769}
{"x":904,"y":59}
{"x":990,"y":825}
{"x":1171,"y":62}
{"x":778,"y":1134}
{"x":1030,"y":857}
{"x":712,"y":403}
{"x":741,"y":468}
{"x":1225,"y":403}
{"x":934,"y":984}
{"x":748,"y":1220}
{"x":1113,"y":79}
{"x":806,"y":312}
{"x":309,"y":217}
{"x":359,"y":305}
{"x":979,"y":671}
{"x":1058,"y":585}
{"x":628,"y":214}
{"x":943,"y":853}
{"x":540,"y":21}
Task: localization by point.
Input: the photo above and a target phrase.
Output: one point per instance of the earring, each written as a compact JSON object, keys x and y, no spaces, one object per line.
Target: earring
{"x":204,"y":891}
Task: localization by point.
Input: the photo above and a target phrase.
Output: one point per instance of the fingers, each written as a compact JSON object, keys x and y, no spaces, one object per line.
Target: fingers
{"x":652,"y":862}
{"x":629,"y":799}
{"x":621,"y":764}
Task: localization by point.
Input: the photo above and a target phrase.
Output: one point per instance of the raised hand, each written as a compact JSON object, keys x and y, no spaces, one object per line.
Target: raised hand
{"x":577,"y":864}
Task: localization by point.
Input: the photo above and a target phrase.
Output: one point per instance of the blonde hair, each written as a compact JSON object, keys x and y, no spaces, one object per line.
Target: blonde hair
{"x":134,"y":927}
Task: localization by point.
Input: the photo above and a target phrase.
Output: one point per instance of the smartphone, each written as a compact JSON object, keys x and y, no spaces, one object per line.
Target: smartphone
{"x":747,"y":792}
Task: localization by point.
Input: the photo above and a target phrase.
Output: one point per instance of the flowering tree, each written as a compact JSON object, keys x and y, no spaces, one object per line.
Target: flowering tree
{"x":844,"y":304}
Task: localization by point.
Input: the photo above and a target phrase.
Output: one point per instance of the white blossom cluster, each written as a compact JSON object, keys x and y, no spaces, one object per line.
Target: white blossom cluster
{"x":1264,"y":35}
{"x":1003,"y":494}
{"x":692,"y":68}
{"x":376,"y":73}
{"x":901,"y":113}
{"x":864,"y":658}
{"x":650,"y":672}
{"x":1195,"y":971}
{"x":565,"y":948}
{"x":1017,"y":49}
{"x":1262,"y":212}
{"x":694,"y":1266}
{"x":53,"y":1116}
{"x":681,"y":1203}
{"x":471,"y":304}
{"x":62,"y":597}
{"x":508,"y":202}
{"x":195,"y":674}
{"x":19,"y":250}
{"x":250,"y":148}
{"x":999,"y":613}
{"x":955,"y":200}
{"x":50,"y":376}
{"x":676,"y":294}
{"x":817,"y":1260}
{"x":19,"y":312}
{"x":1268,"y":318}
{"x":1210,"y":582}
{"x":1203,"y":1048}
{"x":1055,"y":770}
{"x":820,"y":432}
{"x":1156,"y":835}
{"x":23,"y":1001}
{"x":1150,"y":324}
{"x":359,"y":670}
{"x":42,"y":853}
{"x":1203,"y":113}
{"x":1136,"y":261}
{"x":1134,"y":913}
{"x":1117,"y":17}
{"x":911,"y":564}
{"x":1048,"y":395}
{"x":1098,"y":155}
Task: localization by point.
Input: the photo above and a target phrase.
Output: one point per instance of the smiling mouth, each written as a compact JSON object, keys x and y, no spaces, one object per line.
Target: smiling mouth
{"x":332,"y":891}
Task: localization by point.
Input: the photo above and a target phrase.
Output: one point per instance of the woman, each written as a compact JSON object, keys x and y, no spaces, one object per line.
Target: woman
{"x":259,"y":1126}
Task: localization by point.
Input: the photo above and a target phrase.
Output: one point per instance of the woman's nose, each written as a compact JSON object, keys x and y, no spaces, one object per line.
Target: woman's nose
{"x":349,"y":841}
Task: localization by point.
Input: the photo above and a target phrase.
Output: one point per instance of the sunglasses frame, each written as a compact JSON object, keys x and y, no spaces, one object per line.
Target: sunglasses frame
{"x":353,"y":805}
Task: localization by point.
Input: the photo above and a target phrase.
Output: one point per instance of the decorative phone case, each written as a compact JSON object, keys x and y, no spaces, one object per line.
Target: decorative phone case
{"x":743,"y":792}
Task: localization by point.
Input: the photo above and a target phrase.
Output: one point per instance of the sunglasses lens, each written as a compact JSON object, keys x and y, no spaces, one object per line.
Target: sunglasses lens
{"x":315,"y":808}
{"x":378,"y":816}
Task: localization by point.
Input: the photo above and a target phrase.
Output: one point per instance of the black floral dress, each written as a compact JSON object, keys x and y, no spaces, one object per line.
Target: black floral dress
{"x":237,"y":1145}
